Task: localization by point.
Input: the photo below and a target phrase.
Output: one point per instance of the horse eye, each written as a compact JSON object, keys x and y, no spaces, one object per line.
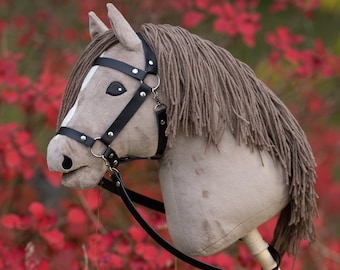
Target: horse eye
{"x":115,"y":89}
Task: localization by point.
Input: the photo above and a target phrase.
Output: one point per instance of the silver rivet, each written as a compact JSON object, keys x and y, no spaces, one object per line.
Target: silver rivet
{"x":83,"y":137}
{"x":115,"y":162}
{"x":117,"y":184}
{"x":150,"y":62}
{"x":135,"y":71}
{"x":162,"y":122}
{"x":110,"y":134}
{"x":111,"y":155}
{"x":142,"y":94}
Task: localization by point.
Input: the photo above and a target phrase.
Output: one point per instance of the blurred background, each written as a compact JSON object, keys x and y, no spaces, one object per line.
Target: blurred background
{"x":293,"y":46}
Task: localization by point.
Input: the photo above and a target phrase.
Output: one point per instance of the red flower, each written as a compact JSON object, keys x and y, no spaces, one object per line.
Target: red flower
{"x":54,"y":238}
{"x":317,"y":61}
{"x":93,"y":198}
{"x":115,"y":261}
{"x":137,"y":233}
{"x":192,"y":19}
{"x":226,"y":19}
{"x":236,"y":19}
{"x":76,"y":215}
{"x":282,"y":40}
{"x":11,"y":221}
{"x":37,"y":210}
{"x":146,"y":251}
{"x":18,"y":155}
{"x":12,"y":159}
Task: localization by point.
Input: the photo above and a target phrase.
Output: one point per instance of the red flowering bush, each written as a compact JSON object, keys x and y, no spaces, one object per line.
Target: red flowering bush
{"x":237,"y":18}
{"x":45,"y":226}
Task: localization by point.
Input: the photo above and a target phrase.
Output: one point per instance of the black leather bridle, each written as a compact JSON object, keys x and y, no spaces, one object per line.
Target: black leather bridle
{"x":110,"y":157}
{"x":143,"y":91}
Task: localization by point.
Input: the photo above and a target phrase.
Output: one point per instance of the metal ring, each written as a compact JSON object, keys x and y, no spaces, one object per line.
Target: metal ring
{"x":158,"y":83}
{"x":106,"y":161}
{"x":159,"y":105}
{"x":153,"y":88}
{"x":93,"y":153}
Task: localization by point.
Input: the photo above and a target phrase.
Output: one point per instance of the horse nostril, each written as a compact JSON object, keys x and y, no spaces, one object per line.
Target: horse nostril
{"x":67,"y":163}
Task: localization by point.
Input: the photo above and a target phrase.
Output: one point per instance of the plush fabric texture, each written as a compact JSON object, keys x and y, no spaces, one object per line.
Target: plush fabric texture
{"x":208,"y":91}
{"x":214,"y":197}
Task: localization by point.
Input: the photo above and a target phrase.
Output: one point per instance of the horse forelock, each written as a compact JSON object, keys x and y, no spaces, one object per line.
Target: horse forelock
{"x":96,"y":47}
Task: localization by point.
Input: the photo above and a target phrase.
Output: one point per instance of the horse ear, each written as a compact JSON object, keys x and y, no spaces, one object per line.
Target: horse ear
{"x":96,"y":26}
{"x":123,"y":30}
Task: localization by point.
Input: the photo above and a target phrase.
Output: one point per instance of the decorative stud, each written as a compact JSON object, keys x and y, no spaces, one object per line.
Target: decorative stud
{"x":115,"y":162}
{"x":111,"y":155}
{"x":162,"y":122}
{"x":117,"y":183}
{"x":150,"y":62}
{"x":83,"y":137}
{"x":135,"y":71}
{"x":142,"y":94}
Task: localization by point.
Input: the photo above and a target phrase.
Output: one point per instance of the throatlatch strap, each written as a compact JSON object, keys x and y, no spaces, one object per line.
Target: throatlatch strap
{"x":122,"y":192}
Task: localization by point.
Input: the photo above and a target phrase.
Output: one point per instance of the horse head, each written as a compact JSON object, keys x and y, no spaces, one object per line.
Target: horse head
{"x":103,"y":94}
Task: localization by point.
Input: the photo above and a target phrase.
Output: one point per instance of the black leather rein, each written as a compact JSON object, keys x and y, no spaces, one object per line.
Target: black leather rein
{"x":110,"y":157}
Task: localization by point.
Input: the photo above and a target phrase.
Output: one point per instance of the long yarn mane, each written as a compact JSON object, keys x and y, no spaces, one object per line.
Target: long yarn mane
{"x":208,"y":91}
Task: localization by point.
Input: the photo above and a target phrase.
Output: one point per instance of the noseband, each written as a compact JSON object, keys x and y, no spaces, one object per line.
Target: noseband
{"x":109,"y":155}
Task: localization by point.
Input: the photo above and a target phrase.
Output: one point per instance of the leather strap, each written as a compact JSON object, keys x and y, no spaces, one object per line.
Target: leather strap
{"x":124,"y":117}
{"x":276,"y":256}
{"x":162,"y":138}
{"x":117,"y":181}
{"x":121,"y":66}
{"x":151,"y":66}
{"x":134,"y":196}
{"x":76,"y":135}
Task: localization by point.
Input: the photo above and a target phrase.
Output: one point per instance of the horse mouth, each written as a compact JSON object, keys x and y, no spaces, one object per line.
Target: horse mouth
{"x":80,"y":178}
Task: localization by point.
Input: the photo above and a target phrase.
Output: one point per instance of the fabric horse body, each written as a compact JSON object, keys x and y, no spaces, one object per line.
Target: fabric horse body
{"x":213,"y":197}
{"x":236,"y":157}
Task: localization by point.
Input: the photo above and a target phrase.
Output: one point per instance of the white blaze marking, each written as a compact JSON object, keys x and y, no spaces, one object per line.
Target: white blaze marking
{"x":71,"y":112}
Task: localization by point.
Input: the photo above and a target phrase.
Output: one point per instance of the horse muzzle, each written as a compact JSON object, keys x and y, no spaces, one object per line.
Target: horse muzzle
{"x":78,"y":173}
